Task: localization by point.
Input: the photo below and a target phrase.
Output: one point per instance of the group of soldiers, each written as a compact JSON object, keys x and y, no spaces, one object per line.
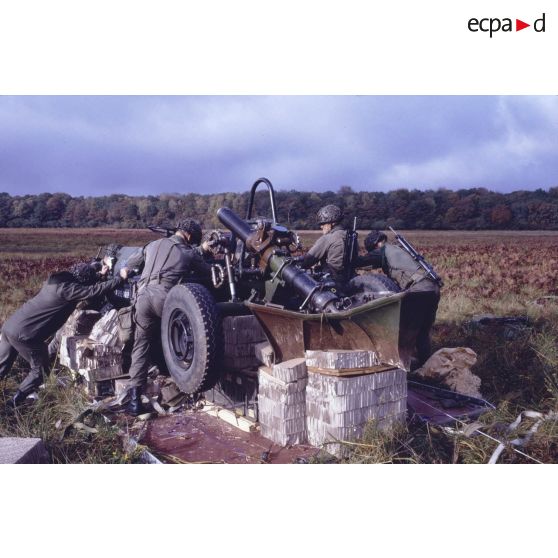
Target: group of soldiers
{"x":165,"y":262}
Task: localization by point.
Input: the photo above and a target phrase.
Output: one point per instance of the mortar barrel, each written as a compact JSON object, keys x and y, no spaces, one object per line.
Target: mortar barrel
{"x":234,"y":223}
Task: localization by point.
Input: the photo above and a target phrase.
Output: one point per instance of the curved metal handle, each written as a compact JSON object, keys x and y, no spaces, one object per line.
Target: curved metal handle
{"x":271,"y":198}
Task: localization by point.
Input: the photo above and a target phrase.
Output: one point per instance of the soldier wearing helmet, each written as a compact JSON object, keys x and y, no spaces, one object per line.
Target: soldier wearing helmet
{"x":26,"y":331}
{"x":329,"y":249}
{"x":105,"y":266}
{"x":165,"y":262}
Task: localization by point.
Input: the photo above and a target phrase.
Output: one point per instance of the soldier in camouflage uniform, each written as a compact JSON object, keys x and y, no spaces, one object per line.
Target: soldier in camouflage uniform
{"x":419,"y":307}
{"x":102,"y":303}
{"x":165,"y":262}
{"x":329,"y":249}
{"x":25,"y":332}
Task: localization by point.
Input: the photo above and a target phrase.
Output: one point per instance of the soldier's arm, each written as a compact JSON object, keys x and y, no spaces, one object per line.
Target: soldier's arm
{"x":136,"y":260}
{"x":74,"y":291}
{"x":199,"y":265}
{"x":372,"y":260}
{"x":205,"y":254}
{"x":315,"y":254}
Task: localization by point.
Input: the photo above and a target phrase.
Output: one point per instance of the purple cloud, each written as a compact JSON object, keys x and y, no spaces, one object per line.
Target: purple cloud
{"x":149,"y":145}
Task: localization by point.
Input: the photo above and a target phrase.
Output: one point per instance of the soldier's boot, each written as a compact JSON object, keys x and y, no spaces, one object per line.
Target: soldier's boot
{"x":16,"y":400}
{"x":135,"y":406}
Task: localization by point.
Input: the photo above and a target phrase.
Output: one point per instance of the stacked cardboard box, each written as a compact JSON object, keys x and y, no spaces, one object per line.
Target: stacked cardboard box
{"x":71,"y":348}
{"x":97,"y":356}
{"x":79,"y":323}
{"x":264,"y":353}
{"x":99,"y":362}
{"x":337,"y":359}
{"x":105,"y":331}
{"x":241,"y":334}
{"x":338,"y":407}
{"x":282,"y":402}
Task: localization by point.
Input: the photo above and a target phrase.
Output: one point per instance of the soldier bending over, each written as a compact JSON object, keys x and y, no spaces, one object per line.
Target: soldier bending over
{"x":419,"y":307}
{"x":25,"y":332}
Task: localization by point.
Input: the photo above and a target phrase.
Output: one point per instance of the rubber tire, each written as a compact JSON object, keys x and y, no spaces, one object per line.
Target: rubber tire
{"x":380,"y":285}
{"x":197,"y":303}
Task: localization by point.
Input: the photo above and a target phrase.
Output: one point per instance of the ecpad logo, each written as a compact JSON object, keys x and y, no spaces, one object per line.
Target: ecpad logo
{"x":494,"y":24}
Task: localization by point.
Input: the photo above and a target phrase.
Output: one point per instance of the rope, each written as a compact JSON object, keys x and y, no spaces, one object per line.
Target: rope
{"x":499,"y":442}
{"x":530,"y":432}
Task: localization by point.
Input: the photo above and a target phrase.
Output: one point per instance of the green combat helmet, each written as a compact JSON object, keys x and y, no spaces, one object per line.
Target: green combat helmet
{"x":84,"y":273}
{"x":329,"y":214}
{"x":192,"y":227}
{"x":373,"y":238}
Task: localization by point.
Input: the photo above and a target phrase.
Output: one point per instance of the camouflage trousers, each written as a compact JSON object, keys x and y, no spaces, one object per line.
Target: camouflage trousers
{"x":34,"y":352}
{"x":147,"y":337}
{"x":418,"y":314}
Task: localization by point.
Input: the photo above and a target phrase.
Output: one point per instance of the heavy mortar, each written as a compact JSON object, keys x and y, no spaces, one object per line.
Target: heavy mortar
{"x":266,"y":242}
{"x":324,"y":320}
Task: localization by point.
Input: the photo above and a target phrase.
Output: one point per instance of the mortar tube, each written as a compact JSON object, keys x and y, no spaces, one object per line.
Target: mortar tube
{"x":234,"y":223}
{"x":298,"y":279}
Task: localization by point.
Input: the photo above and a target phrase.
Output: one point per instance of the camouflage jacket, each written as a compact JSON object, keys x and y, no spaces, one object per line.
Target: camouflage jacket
{"x":166,"y":262}
{"x":329,"y":251}
{"x":399,"y":266}
{"x":47,"y":311}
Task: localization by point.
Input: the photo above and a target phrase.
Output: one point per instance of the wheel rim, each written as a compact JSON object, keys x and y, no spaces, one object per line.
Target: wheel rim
{"x":181,"y":339}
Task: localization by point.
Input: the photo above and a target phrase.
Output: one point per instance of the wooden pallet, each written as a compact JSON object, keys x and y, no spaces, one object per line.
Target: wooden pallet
{"x":243,"y":423}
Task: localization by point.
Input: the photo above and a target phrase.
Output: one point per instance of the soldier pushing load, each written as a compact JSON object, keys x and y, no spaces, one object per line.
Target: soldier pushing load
{"x":165,"y":263}
{"x":26,"y":331}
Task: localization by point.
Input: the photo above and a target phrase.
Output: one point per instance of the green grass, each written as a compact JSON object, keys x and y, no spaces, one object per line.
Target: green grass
{"x":57,"y":417}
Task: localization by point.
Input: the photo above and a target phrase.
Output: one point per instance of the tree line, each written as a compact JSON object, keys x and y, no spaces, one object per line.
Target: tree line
{"x":443,"y":209}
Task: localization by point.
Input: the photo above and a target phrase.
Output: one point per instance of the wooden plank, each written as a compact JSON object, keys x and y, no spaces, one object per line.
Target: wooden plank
{"x":243,"y":423}
{"x":350,"y":371}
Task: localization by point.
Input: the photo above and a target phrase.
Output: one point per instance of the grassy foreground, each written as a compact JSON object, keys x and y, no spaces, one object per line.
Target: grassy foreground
{"x":61,"y":417}
{"x":502,"y":273}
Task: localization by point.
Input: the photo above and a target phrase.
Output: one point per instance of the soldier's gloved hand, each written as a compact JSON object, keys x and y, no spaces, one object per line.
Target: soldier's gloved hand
{"x":297,"y":260}
{"x":206,"y":245}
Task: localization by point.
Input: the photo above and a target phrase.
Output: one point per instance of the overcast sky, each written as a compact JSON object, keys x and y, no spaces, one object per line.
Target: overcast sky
{"x":150,"y":145}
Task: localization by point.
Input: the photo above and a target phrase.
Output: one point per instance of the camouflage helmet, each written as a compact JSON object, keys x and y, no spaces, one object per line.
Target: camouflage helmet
{"x":192,"y":227}
{"x":329,"y":214}
{"x":373,"y":238}
{"x":112,"y":250}
{"x":84,"y":273}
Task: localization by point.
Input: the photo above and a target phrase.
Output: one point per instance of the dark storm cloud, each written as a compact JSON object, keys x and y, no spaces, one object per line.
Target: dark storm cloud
{"x":149,"y":145}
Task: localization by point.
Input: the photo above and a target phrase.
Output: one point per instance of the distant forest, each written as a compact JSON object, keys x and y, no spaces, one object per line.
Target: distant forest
{"x":469,"y":209}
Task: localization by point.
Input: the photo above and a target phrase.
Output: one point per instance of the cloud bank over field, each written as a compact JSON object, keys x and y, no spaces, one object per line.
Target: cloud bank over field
{"x":149,"y":145}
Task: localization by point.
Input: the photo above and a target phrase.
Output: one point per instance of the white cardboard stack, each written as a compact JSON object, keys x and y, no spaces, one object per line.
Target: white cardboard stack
{"x":282,"y":402}
{"x":337,"y":359}
{"x":264,"y":353}
{"x":69,"y":353}
{"x":105,"y":331}
{"x":77,"y":327}
{"x":338,"y":407}
{"x":98,"y":356}
{"x":100,"y":362}
{"x":241,"y":335}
